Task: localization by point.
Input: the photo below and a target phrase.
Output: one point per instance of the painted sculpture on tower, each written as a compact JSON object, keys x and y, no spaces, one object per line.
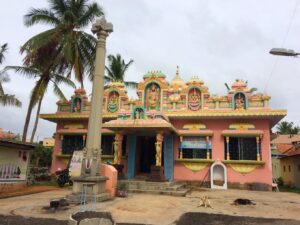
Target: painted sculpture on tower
{"x":76,"y":105}
{"x":152,"y":96}
{"x":113,"y":102}
{"x":194,"y":99}
{"x":239,"y":101}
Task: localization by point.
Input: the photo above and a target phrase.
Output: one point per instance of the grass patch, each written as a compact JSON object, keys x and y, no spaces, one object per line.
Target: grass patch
{"x":289,"y":189}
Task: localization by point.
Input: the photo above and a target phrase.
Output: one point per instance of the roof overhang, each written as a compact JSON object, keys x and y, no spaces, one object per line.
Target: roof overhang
{"x":55,"y":117}
{"x":274,"y":116}
{"x":139,"y":124}
{"x":82,"y":131}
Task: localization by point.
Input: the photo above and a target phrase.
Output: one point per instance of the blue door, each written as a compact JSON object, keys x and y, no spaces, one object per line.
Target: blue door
{"x":131,"y":156}
{"x":168,"y":157}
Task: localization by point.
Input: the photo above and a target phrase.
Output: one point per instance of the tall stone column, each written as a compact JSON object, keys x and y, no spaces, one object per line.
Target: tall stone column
{"x":92,"y":152}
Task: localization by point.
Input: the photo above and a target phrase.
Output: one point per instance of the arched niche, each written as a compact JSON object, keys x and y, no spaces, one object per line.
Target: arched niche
{"x":194,"y":99}
{"x":76,"y":104}
{"x":240,"y":101}
{"x":113,"y":102}
{"x":218,"y":176}
{"x":138,"y":113}
{"x":152,"y":96}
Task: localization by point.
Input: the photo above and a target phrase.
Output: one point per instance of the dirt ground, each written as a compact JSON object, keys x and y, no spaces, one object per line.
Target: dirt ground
{"x":158,"y":209}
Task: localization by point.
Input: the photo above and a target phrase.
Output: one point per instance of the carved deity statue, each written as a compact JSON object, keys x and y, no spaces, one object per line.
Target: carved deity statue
{"x":158,"y":153}
{"x":152,"y":96}
{"x":77,"y":105}
{"x":116,"y":153}
{"x":113,"y":102}
{"x":239,"y":103}
{"x":158,"y":145}
{"x":118,"y":149}
{"x":194,"y":100}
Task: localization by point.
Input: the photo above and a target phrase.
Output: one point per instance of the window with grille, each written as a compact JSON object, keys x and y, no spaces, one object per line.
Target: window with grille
{"x":195,"y":148}
{"x":242,"y":148}
{"x":71,"y":143}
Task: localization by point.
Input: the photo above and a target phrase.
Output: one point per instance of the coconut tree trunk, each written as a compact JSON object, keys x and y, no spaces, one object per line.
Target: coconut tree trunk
{"x":36,"y":119}
{"x":25,"y":129}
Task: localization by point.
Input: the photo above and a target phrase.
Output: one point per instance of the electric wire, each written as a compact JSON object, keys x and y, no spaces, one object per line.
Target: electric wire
{"x":282,"y":44}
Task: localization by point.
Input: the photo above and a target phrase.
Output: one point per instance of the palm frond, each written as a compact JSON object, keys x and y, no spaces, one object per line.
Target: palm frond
{"x":92,"y":11}
{"x":29,"y":72}
{"x":11,"y":100}
{"x":61,"y":79}
{"x":4,"y":78}
{"x":43,"y":16}
{"x":3,"y":49}
{"x":58,"y":92}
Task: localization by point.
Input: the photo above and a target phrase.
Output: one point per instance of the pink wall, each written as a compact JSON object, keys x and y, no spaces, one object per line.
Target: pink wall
{"x":262,"y":174}
{"x":60,"y":163}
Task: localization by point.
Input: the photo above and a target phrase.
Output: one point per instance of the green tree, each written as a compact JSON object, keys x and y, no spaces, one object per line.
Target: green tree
{"x":67,"y":43}
{"x":6,"y":99}
{"x":285,"y":127}
{"x":43,"y":81}
{"x":116,"y":70}
{"x":63,"y":48}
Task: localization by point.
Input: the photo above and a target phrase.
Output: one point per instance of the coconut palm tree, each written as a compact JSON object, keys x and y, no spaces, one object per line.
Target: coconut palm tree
{"x":66,"y":42}
{"x":285,"y":127}
{"x":6,"y":99}
{"x":116,"y":70}
{"x":38,"y":92}
{"x":65,"y":46}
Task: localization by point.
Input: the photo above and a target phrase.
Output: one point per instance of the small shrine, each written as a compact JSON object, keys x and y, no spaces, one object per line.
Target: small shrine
{"x":175,"y":130}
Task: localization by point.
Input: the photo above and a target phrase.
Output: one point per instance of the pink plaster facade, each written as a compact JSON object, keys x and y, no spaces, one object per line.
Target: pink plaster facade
{"x":262,"y":174}
{"x":177,"y":109}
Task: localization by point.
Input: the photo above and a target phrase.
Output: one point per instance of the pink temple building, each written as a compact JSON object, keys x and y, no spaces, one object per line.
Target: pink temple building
{"x":180,"y":126}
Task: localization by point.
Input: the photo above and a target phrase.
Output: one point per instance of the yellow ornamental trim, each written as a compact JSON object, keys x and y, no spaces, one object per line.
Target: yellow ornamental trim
{"x":191,"y":126}
{"x":74,"y":126}
{"x":244,"y":166}
{"x":241,"y":126}
{"x":195,"y":165}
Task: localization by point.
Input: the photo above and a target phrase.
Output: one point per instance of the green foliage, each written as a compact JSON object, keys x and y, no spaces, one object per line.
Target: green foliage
{"x":116,"y":70}
{"x":286,"y":127}
{"x":6,"y":99}
{"x":66,"y":45}
{"x":280,"y":181}
{"x":42,"y":156}
{"x":289,"y":188}
{"x":122,"y":186}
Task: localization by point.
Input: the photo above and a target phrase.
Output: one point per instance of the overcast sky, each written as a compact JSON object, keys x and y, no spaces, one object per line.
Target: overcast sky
{"x":216,"y":40}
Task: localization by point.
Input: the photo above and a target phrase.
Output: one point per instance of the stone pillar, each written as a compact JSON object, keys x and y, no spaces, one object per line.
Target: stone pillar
{"x":227,"y":149}
{"x":61,"y":143}
{"x":180,"y":153}
{"x":207,"y":148}
{"x":92,"y":152}
{"x":258,"y":148}
{"x":90,"y":168}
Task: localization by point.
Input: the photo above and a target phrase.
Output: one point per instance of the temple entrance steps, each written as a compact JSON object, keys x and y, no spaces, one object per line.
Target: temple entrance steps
{"x":161,"y":188}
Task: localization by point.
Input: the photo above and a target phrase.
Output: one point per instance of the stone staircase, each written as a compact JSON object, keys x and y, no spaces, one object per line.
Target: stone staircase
{"x":161,"y":188}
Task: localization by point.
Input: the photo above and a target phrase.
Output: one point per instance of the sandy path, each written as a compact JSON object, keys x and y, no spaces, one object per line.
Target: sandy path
{"x":158,"y":209}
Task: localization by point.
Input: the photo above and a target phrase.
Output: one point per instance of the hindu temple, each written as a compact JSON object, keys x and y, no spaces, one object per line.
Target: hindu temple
{"x":175,"y":131}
